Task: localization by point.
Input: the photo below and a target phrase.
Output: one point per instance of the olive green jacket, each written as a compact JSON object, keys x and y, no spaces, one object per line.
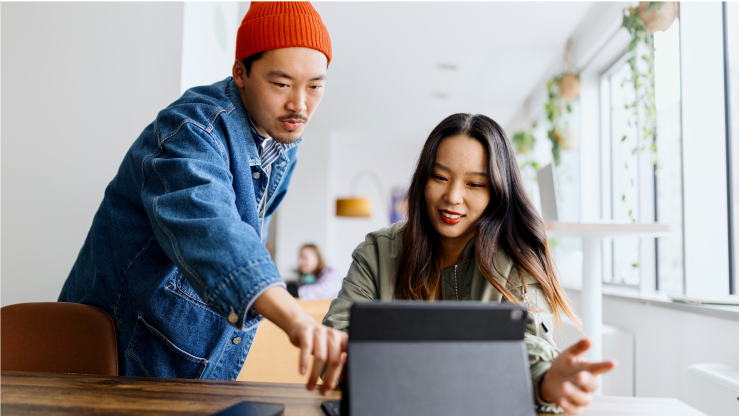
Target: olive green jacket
{"x":373,"y":273}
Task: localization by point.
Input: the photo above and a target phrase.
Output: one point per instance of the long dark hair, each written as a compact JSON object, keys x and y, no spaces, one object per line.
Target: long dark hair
{"x":510,"y":222}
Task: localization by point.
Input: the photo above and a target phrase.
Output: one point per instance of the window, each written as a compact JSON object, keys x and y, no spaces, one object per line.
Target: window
{"x":668,"y":180}
{"x":568,"y":250}
{"x":640,"y":190}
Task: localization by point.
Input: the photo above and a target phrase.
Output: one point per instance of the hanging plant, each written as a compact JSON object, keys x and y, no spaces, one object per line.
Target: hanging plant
{"x":640,"y":57}
{"x":569,"y":86}
{"x":556,"y":108}
{"x":523,"y":143}
{"x":561,"y":90}
{"x":642,"y":22}
{"x":657,"y":15}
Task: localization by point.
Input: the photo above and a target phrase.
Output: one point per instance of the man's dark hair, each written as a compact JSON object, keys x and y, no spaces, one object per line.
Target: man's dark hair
{"x":250,"y":59}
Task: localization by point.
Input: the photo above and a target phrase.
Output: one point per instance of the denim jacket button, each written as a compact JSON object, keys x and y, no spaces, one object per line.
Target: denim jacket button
{"x":255,"y":175}
{"x":237,"y":340}
{"x":233,"y":318}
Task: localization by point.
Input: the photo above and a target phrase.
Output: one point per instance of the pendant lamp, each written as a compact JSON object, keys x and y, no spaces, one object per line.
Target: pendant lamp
{"x":358,"y":206}
{"x":354,"y":207}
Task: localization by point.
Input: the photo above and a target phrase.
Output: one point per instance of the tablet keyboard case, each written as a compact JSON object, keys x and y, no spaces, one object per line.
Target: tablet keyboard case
{"x":457,"y":359}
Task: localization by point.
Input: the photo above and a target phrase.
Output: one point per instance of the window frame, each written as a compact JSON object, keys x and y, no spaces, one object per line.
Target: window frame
{"x":729,"y":150}
{"x":651,"y":282}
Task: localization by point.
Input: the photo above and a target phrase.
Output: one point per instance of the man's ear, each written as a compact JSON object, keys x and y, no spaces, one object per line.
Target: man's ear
{"x":239,"y":73}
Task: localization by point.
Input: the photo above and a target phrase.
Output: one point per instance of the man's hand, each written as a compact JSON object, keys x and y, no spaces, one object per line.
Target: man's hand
{"x":571,"y":379}
{"x":327,"y":345}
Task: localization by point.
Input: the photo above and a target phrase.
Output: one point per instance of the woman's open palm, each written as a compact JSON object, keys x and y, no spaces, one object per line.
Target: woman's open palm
{"x":571,"y":380}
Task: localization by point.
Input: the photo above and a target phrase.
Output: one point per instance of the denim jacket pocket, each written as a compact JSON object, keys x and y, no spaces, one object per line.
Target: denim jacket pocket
{"x":179,"y":285}
{"x":151,"y":353}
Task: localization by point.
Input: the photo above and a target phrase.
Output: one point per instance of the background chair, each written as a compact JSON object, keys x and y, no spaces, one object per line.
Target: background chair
{"x":58,"y":337}
{"x":272,"y":358}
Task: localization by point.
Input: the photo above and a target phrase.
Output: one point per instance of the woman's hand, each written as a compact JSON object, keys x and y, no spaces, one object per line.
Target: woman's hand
{"x":326,"y":345}
{"x":571,"y":379}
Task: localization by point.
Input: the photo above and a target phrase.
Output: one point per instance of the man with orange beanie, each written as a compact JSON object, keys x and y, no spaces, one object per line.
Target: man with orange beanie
{"x":175,"y":253}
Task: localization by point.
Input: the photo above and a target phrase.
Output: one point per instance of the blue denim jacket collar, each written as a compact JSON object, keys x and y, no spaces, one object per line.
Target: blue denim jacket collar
{"x":251,"y":145}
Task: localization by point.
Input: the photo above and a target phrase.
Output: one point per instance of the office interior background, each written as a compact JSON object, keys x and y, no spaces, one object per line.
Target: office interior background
{"x":80,"y":81}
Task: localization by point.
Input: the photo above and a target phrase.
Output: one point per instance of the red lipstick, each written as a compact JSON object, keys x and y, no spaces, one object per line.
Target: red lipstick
{"x":450,"y":221}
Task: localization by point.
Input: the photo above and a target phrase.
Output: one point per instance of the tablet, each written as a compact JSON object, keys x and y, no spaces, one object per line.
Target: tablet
{"x":437,"y":358}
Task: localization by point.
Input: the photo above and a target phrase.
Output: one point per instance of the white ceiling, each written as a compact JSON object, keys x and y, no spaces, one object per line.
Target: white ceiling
{"x":385,"y":71}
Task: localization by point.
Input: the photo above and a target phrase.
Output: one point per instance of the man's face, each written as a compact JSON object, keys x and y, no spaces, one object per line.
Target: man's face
{"x":283,"y":89}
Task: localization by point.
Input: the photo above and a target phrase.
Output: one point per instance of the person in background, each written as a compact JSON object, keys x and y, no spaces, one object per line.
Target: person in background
{"x":176,"y":252}
{"x":473,"y":234}
{"x":317,"y":281}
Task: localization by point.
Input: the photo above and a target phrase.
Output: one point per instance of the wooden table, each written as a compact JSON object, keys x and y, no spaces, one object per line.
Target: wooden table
{"x":48,"y":394}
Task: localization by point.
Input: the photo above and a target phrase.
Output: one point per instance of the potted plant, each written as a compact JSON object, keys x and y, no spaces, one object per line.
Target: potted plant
{"x":569,"y":86}
{"x":557,"y":107}
{"x":657,"y":15}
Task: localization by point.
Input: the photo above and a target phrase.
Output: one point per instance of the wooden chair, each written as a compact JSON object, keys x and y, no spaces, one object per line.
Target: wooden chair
{"x":272,"y":358}
{"x":58,"y":337}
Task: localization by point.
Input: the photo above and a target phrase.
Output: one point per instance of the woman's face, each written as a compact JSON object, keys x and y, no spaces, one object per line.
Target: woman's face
{"x":458,"y":191}
{"x":308,"y":261}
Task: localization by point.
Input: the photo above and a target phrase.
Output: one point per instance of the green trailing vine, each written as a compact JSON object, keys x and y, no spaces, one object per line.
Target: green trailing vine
{"x":556,"y":107}
{"x":640,"y":58}
{"x":644,"y":110}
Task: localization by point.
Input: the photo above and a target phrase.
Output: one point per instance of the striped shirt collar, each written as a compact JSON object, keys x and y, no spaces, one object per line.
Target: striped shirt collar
{"x":269,"y":149}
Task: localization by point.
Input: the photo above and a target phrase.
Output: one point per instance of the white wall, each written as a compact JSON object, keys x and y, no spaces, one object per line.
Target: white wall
{"x":391,"y":159}
{"x":80,"y":81}
{"x":303,"y":214}
{"x":328,"y":161}
{"x":667,"y":341}
{"x":208,"y":42}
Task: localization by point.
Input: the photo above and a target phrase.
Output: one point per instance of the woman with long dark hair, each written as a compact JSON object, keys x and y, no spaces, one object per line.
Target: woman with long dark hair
{"x":473,"y":234}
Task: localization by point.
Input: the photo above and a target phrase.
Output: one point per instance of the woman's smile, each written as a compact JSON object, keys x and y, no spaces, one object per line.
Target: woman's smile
{"x":450,"y":217}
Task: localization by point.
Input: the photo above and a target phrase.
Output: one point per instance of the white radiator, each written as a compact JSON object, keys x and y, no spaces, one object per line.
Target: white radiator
{"x":713,"y":389}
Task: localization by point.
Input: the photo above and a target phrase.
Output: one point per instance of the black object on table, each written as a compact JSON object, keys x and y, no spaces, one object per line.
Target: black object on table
{"x":252,"y":409}
{"x":331,"y":407}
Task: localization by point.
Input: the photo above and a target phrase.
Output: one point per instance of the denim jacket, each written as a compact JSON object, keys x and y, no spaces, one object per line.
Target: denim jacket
{"x":175,"y":254}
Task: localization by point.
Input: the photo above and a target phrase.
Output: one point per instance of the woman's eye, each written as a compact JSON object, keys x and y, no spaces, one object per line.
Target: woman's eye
{"x":280,"y":85}
{"x":315,"y":87}
{"x":438,"y":177}
{"x":477,"y":185}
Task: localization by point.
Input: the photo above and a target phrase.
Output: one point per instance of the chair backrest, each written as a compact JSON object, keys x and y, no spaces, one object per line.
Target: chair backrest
{"x":272,"y":358}
{"x":58,"y":337}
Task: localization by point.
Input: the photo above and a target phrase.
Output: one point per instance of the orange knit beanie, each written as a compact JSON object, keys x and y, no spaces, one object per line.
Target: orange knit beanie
{"x":275,"y":24}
